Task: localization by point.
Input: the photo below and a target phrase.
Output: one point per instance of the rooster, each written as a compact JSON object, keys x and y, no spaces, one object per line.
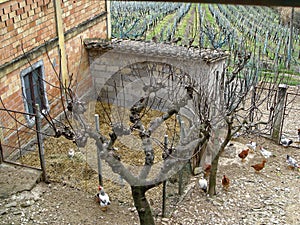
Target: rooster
{"x":292,"y":162}
{"x":203,"y":184}
{"x":260,"y":166}
{"x":243,"y":154}
{"x":225,"y":182}
{"x":103,"y":199}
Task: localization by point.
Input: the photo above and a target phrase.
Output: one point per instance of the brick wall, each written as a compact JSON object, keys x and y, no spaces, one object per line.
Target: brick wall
{"x":77,"y":11}
{"x":29,"y":23}
{"x":37,"y":25}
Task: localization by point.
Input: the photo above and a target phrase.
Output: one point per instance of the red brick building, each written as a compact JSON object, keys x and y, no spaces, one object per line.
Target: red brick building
{"x":31,"y":34}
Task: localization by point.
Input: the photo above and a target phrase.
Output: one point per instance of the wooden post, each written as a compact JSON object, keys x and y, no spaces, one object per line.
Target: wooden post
{"x":61,"y":41}
{"x":38,"y":122}
{"x":98,"y":152}
{"x":253,"y":98}
{"x":279,"y":112}
{"x":1,"y":152}
{"x":164,"y":182}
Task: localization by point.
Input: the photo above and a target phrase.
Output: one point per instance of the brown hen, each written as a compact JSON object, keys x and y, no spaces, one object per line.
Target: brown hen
{"x":243,"y":154}
{"x":260,"y":166}
{"x":225,"y":182}
{"x":207,"y":169}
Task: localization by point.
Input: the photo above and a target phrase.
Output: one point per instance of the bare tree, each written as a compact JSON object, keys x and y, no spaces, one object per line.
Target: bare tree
{"x":232,"y":107}
{"x":144,"y":107}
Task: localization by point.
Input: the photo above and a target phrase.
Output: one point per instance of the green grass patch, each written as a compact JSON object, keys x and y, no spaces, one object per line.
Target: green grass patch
{"x":182,"y":26}
{"x":163,"y":24}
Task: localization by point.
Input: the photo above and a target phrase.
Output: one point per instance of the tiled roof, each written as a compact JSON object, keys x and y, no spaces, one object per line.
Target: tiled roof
{"x":150,"y":48}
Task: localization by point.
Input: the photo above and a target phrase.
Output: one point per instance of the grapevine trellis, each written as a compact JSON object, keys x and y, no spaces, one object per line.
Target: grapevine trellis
{"x":230,"y":27}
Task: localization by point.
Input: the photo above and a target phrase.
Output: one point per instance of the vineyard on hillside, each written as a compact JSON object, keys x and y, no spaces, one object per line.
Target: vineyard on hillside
{"x":257,"y":29}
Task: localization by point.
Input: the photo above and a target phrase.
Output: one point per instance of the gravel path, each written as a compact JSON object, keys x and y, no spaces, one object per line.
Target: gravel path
{"x":271,"y":197}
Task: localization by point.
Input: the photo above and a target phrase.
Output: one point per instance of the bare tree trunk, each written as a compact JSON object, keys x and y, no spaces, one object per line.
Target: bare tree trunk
{"x":215,"y":162}
{"x":213,"y":175}
{"x":142,"y":205}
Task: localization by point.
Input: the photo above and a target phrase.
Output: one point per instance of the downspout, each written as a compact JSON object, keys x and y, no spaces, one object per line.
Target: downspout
{"x":108,"y":19}
{"x":61,"y":42}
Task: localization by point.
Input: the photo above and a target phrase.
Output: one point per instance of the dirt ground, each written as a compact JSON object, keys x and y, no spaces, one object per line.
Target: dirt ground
{"x":270,"y":197}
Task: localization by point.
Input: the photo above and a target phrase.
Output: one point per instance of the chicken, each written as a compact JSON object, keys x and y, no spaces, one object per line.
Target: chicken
{"x":243,"y":154}
{"x":103,"y":199}
{"x":236,"y":135}
{"x":251,"y":145}
{"x":207,"y":169}
{"x":71,"y":153}
{"x":265,"y":153}
{"x":260,"y":166}
{"x":292,"y":162}
{"x":203,"y":184}
{"x":225,"y":182}
{"x":285,"y":141}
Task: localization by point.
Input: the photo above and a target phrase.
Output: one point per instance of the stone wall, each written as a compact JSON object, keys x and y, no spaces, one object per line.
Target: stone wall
{"x":109,"y":67}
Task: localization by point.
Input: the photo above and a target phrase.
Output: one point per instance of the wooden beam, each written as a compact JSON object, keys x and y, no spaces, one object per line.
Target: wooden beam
{"x":61,"y":41}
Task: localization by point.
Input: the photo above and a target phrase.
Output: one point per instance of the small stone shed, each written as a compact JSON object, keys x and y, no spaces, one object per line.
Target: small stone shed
{"x":110,"y":59}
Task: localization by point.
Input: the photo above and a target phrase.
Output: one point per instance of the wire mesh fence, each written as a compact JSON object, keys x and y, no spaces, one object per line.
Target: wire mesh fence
{"x":290,"y":123}
{"x":175,"y":187}
{"x":263,"y":113}
{"x":18,"y":138}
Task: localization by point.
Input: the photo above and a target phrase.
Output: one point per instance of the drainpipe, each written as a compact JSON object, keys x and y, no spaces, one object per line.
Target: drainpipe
{"x":61,"y":41}
{"x":108,"y":20}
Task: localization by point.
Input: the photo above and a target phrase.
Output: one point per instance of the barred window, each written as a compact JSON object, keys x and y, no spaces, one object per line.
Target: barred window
{"x":33,"y":87}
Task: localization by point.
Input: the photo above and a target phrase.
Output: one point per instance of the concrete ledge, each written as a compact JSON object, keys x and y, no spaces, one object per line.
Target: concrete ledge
{"x":15,"y":178}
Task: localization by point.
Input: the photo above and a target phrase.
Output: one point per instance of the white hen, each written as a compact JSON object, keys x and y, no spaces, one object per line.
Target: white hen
{"x":252,"y":145}
{"x":203,"y":184}
{"x":292,"y":162}
{"x":71,"y":153}
{"x":265,"y":153}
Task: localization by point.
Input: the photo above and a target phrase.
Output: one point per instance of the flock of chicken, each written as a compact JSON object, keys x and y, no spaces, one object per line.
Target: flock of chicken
{"x":251,"y":146}
{"x":103,"y":199}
